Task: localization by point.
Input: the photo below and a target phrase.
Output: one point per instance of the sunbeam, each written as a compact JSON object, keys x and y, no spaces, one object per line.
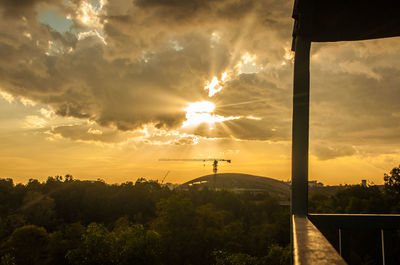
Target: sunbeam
{"x":203,"y":112}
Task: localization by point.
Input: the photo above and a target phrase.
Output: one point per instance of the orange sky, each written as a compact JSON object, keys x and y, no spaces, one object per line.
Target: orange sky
{"x":103,"y":89}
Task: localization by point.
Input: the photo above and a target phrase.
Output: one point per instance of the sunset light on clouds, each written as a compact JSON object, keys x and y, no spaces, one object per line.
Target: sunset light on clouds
{"x":102,"y":89}
{"x":202,"y":112}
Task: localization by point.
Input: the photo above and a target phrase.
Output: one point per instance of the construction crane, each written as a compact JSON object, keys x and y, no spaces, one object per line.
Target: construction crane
{"x":165,"y":177}
{"x":215,"y":161}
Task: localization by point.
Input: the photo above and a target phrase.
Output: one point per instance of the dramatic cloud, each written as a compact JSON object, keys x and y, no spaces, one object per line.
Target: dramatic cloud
{"x":122,"y":72}
{"x":131,"y":65}
{"x":355,"y":104}
{"x":87,"y":133}
{"x":324,"y":152}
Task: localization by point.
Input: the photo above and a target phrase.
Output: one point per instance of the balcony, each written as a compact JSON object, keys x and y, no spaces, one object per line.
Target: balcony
{"x":311,"y":247}
{"x":332,"y":21}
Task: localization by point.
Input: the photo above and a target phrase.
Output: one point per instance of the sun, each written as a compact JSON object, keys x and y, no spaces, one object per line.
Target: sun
{"x":203,"y":112}
{"x":199,"y":112}
{"x":200,"y":107}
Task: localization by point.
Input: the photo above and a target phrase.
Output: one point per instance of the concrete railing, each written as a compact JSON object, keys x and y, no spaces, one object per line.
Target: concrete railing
{"x":310,"y":247}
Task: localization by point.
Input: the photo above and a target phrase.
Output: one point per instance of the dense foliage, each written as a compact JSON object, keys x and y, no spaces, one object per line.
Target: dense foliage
{"x":66,"y":221}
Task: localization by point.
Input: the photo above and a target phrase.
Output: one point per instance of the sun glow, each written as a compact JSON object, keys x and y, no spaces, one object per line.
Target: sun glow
{"x":89,"y":13}
{"x":200,"y":107}
{"x":215,"y":85}
{"x":202,"y":112}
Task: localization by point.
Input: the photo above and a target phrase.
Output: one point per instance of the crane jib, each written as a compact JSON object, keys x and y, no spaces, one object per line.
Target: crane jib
{"x":214,"y":160}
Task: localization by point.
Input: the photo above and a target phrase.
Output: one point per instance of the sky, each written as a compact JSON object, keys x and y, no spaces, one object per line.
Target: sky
{"x":104,"y":89}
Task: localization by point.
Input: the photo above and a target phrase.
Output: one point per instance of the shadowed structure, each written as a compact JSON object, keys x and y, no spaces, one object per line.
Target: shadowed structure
{"x":344,"y":20}
{"x":238,"y":182}
{"x":328,"y":21}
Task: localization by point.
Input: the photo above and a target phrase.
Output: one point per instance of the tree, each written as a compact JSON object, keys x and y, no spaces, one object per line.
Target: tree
{"x":175,"y":223}
{"x":392,"y":180}
{"x":135,"y":245}
{"x":97,"y":247}
{"x":277,"y":255}
{"x":39,"y":209}
{"x":7,"y":259}
{"x":9,"y":223}
{"x":64,"y":239}
{"x":6,"y":189}
{"x":28,"y":245}
{"x":224,"y":258}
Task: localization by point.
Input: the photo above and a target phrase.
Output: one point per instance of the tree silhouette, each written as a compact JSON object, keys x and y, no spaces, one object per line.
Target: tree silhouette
{"x":392,"y":180}
{"x":28,"y":245}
